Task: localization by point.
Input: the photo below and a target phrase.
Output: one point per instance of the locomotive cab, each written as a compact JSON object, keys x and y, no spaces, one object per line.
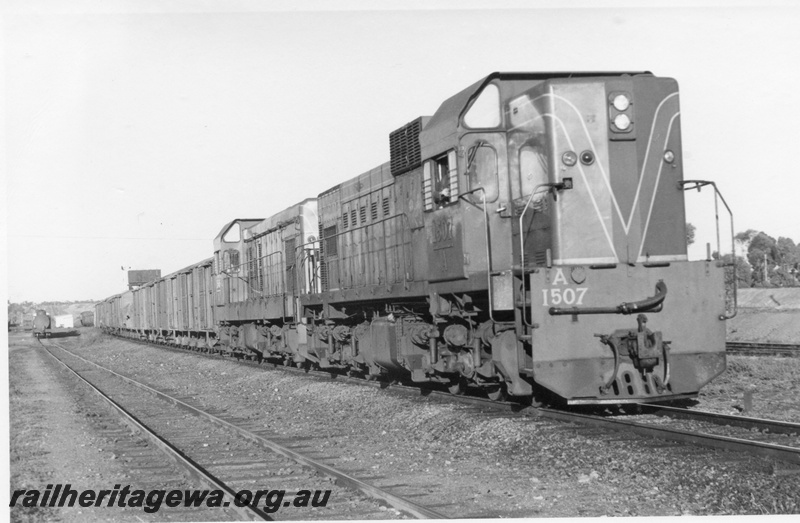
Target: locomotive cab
{"x":229,"y":262}
{"x":560,"y":197}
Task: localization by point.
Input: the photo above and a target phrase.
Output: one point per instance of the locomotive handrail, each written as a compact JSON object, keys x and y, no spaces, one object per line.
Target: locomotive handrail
{"x":247,"y":280}
{"x":522,"y":216}
{"x":698,"y":184}
{"x":488,"y":248}
{"x":652,"y":304}
{"x":282,"y":276}
{"x":522,"y":237}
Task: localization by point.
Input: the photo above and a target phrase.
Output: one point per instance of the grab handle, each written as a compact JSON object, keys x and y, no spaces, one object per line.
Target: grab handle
{"x":651,"y":304}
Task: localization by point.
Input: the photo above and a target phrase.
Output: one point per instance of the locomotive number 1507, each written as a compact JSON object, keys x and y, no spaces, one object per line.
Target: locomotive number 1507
{"x":563,"y":296}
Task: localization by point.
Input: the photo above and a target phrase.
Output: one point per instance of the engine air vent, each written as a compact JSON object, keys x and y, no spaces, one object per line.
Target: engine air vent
{"x":404,"y":148}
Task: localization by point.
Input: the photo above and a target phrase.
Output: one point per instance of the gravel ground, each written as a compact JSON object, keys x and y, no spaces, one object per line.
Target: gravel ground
{"x":773,"y":383}
{"x":61,"y":433}
{"x":765,"y":326}
{"x":487,"y":465}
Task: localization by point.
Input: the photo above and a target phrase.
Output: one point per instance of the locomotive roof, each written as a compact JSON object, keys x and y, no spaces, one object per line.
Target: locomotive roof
{"x":279,"y":219}
{"x":207,"y":261}
{"x":444,"y":123}
{"x":246,"y":222}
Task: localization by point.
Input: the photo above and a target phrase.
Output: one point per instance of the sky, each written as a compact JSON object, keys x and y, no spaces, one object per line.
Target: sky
{"x":133,"y":131}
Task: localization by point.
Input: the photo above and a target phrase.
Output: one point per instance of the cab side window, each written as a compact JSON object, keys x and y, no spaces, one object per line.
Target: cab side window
{"x":482,"y":171}
{"x":440,"y":181}
{"x":230,"y":260}
{"x":533,"y":168}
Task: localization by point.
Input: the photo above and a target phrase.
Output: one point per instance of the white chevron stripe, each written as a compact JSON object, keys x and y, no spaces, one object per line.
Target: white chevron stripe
{"x":655,"y":188}
{"x":626,"y":224}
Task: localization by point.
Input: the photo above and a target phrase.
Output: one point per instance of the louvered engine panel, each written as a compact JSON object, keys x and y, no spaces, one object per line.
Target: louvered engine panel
{"x":404,"y":147}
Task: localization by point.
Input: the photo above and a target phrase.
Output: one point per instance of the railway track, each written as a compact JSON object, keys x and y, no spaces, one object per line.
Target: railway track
{"x":763,"y":349}
{"x":229,"y":454}
{"x":774,"y":440}
{"x":139,"y":452}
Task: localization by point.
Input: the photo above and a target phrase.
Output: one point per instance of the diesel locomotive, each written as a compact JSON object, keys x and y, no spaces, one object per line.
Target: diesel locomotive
{"x":528,"y":239}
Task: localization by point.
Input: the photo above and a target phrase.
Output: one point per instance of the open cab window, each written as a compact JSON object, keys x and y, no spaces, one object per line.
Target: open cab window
{"x":440,"y":181}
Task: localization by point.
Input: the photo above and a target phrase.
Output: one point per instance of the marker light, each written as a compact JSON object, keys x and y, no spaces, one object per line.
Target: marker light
{"x":622,"y":122}
{"x":669,"y":156}
{"x":569,"y":158}
{"x":621,"y":102}
{"x":587,"y":158}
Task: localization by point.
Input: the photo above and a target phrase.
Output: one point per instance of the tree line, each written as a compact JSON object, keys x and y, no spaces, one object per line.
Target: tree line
{"x":765,"y":261}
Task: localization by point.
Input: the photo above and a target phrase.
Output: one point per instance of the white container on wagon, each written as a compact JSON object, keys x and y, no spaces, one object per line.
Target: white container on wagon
{"x":64,"y":321}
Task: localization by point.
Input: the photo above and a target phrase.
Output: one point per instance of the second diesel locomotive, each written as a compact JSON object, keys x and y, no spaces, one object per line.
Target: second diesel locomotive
{"x":529,"y":238}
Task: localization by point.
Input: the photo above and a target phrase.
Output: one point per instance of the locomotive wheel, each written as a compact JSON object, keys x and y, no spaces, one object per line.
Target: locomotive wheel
{"x":497,"y":393}
{"x":458,"y":386}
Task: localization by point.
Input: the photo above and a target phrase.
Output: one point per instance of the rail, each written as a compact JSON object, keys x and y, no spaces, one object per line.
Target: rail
{"x":763,"y":349}
{"x":416,"y":510}
{"x":780,"y":452}
{"x":749,"y":423}
{"x":768,"y":450}
{"x":194,"y":469}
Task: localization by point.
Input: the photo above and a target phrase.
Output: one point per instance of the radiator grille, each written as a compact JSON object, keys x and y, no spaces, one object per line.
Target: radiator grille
{"x":404,"y":147}
{"x":327,"y":248}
